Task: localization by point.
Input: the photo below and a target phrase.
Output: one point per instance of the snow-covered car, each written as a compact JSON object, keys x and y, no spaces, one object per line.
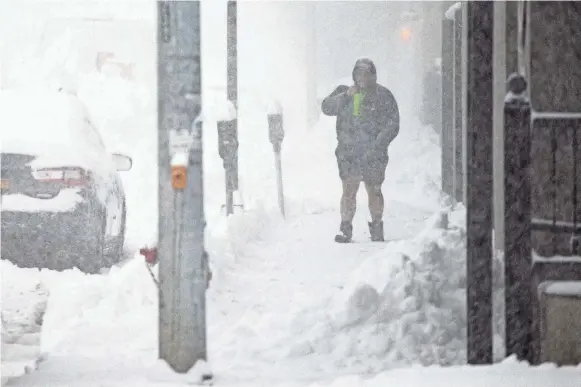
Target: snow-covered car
{"x":63,"y":201}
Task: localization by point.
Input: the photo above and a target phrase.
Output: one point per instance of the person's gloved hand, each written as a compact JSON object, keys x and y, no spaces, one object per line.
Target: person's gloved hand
{"x":352,"y":90}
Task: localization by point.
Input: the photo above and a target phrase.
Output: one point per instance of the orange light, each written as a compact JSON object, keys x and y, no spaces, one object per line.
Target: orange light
{"x":178,"y":176}
{"x":405,"y":34}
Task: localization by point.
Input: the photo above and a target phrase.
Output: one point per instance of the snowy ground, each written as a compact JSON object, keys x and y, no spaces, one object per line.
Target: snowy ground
{"x":287,"y":305}
{"x":24,"y":301}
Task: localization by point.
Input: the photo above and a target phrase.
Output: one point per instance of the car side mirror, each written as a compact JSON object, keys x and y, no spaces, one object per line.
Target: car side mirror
{"x":122,"y":162}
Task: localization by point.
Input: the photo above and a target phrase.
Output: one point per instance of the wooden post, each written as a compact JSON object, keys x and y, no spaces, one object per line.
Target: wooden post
{"x":479,"y":180}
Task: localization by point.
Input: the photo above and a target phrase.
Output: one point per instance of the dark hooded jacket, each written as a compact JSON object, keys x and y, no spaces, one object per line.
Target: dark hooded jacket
{"x":376,"y":125}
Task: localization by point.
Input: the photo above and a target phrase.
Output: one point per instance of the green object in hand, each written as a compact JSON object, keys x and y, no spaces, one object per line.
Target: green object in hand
{"x":357,"y":99}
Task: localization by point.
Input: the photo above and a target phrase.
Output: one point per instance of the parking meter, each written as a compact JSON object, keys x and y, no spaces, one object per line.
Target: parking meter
{"x":275,"y":126}
{"x":228,"y":151}
{"x":275,"y":136}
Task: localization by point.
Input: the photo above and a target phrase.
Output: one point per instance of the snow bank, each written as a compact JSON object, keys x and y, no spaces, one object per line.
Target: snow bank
{"x":96,"y":312}
{"x":161,"y":372}
{"x":24,"y":300}
{"x":401,"y":307}
{"x":509,"y":373}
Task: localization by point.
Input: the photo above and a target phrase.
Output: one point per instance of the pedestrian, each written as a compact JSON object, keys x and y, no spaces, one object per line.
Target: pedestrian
{"x":367,"y":122}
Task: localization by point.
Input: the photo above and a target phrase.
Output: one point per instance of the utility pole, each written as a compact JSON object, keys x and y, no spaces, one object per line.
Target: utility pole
{"x":182,"y":258}
{"x":479,"y":170}
{"x":231,"y":136}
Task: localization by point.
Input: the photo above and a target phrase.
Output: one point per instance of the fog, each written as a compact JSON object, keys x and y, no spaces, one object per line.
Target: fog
{"x":295,"y":51}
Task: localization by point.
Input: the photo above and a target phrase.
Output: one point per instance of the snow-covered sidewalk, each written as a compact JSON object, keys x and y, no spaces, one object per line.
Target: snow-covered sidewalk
{"x":259,"y":291}
{"x":276,"y":281}
{"x":24,"y":301}
{"x":287,"y":305}
{"x":291,"y":308}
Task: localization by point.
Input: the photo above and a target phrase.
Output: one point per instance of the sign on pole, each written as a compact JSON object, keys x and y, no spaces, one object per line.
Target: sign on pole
{"x":182,"y":258}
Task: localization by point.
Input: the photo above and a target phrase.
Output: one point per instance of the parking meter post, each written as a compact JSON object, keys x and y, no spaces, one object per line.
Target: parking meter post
{"x":279,"y":187}
{"x":232,"y":93}
{"x":180,"y":252}
{"x":228,"y":151}
{"x":276,"y":136}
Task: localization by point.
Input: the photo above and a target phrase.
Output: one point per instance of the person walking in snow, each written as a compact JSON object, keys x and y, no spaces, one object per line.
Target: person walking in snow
{"x":367,"y":122}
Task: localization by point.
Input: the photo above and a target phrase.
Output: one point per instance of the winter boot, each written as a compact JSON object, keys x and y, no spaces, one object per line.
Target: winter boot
{"x":376,"y":231}
{"x":346,"y":229}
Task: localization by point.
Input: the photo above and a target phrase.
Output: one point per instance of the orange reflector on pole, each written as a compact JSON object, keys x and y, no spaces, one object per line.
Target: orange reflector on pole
{"x":179,"y":172}
{"x":179,"y":177}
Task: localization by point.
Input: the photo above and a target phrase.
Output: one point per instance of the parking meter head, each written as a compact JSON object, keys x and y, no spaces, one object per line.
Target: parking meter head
{"x":275,"y":130}
{"x":227,"y":139}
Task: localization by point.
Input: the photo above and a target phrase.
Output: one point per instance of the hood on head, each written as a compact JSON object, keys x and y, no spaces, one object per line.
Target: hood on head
{"x":367,"y":63}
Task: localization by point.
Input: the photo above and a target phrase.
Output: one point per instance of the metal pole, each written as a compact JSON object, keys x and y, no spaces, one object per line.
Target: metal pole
{"x":447,"y":133}
{"x":278,"y":165}
{"x":276,"y":136}
{"x":479,"y":205}
{"x":457,"y":92}
{"x":231,"y":163}
{"x":182,"y":258}
{"x":499,"y":94}
{"x":517,"y":219}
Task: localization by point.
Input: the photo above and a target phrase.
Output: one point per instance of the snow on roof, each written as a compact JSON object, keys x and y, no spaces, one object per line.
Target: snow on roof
{"x":48,"y":124}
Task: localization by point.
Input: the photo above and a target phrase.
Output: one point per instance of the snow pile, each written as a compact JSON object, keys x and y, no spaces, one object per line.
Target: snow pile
{"x":24,"y":301}
{"x":401,"y":307}
{"x":508,"y":373}
{"x":84,"y":309}
{"x":161,"y":372}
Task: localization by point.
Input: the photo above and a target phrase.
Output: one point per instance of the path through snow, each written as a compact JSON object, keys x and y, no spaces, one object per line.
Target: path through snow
{"x":251,"y":309}
{"x":292,"y":267}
